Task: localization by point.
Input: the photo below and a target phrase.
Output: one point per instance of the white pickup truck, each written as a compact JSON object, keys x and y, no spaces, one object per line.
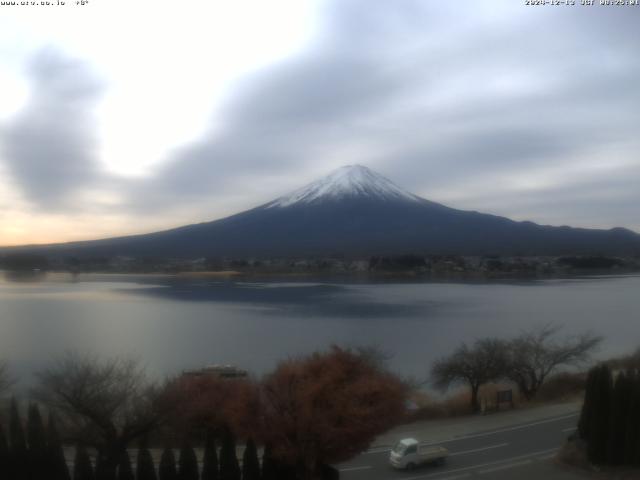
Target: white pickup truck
{"x":408,"y":454}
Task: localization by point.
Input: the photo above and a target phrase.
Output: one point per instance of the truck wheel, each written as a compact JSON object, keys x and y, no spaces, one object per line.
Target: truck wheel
{"x":410,"y":466}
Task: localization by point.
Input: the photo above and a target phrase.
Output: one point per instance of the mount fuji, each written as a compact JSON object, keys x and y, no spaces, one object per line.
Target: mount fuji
{"x":355,"y":211}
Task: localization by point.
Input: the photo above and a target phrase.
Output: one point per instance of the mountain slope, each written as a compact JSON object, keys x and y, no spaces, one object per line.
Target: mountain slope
{"x":355,"y":211}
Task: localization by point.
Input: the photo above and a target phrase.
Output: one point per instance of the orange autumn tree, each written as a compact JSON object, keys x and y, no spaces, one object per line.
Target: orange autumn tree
{"x":328,"y":407}
{"x":209,"y":402}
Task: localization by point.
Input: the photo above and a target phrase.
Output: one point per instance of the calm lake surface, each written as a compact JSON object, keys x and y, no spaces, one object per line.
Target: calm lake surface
{"x":177,"y":323}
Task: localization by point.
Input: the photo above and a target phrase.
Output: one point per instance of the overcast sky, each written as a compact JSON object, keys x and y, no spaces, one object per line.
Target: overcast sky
{"x":119,"y":117}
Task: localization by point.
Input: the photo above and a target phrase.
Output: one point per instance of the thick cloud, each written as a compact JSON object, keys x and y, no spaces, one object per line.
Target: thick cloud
{"x":491,"y":105}
{"x":434,"y":95}
{"x":49,"y":148}
{"x":295,"y":114}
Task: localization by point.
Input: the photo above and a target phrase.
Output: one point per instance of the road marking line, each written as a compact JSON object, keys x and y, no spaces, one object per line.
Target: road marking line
{"x":478,"y":435}
{"x":482,"y":465}
{"x":353,"y":469}
{"x":505,"y":467}
{"x":547,"y":457}
{"x":566,"y":430}
{"x":464,"y":452}
{"x":509,"y":429}
{"x":451,"y":454}
{"x":457,"y":477}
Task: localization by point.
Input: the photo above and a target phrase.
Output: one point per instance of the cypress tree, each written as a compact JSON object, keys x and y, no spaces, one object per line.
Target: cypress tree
{"x":18,"y":450}
{"x":618,"y":421}
{"x":99,"y":469}
{"x":599,"y":417}
{"x":632,"y":444}
{"x":187,"y":463}
{"x":125,"y":472}
{"x":55,"y":453}
{"x":4,"y":455}
{"x":229,"y":468}
{"x":36,"y":439}
{"x":145,"y":470}
{"x":286,"y":472}
{"x":586,"y":412}
{"x":272,"y":469}
{"x":105,"y":470}
{"x":167,"y":469}
{"x":636,"y":421}
{"x":269,"y":468}
{"x":329,"y":473}
{"x":250,"y":462}
{"x":210,"y":460}
{"x":628,"y":436}
{"x":82,"y":468}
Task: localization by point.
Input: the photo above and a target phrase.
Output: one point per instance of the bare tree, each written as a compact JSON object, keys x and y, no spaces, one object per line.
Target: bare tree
{"x":107,"y":403}
{"x":474,"y":365}
{"x":536,"y":353}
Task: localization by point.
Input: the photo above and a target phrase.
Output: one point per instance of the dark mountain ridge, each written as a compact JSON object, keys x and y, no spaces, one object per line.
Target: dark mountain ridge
{"x":354,"y":212}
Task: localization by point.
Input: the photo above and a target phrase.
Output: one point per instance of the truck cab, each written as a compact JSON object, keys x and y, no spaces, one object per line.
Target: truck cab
{"x":408,"y":454}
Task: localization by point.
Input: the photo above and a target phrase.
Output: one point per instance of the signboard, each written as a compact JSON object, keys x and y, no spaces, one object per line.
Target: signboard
{"x":504,"y":396}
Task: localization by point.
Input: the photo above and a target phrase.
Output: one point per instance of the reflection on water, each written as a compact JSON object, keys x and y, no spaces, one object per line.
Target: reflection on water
{"x":174,"y":323}
{"x":301,"y":299}
{"x":24,"y":276}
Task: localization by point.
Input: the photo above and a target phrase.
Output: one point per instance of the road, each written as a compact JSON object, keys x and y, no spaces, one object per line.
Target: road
{"x":522,"y":451}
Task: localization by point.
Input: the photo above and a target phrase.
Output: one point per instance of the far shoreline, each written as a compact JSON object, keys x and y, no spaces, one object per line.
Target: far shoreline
{"x":321,"y":276}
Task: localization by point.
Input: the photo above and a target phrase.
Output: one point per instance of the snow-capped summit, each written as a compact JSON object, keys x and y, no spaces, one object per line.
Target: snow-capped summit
{"x":345,"y":182}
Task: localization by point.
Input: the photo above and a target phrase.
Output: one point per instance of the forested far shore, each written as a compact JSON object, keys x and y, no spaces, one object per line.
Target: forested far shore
{"x":406,"y":264}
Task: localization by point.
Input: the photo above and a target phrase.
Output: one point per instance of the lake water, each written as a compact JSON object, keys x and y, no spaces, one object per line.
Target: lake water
{"x":177,"y":323}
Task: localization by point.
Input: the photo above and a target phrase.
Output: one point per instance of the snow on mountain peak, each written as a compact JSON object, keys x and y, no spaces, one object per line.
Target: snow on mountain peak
{"x":348,"y":181}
